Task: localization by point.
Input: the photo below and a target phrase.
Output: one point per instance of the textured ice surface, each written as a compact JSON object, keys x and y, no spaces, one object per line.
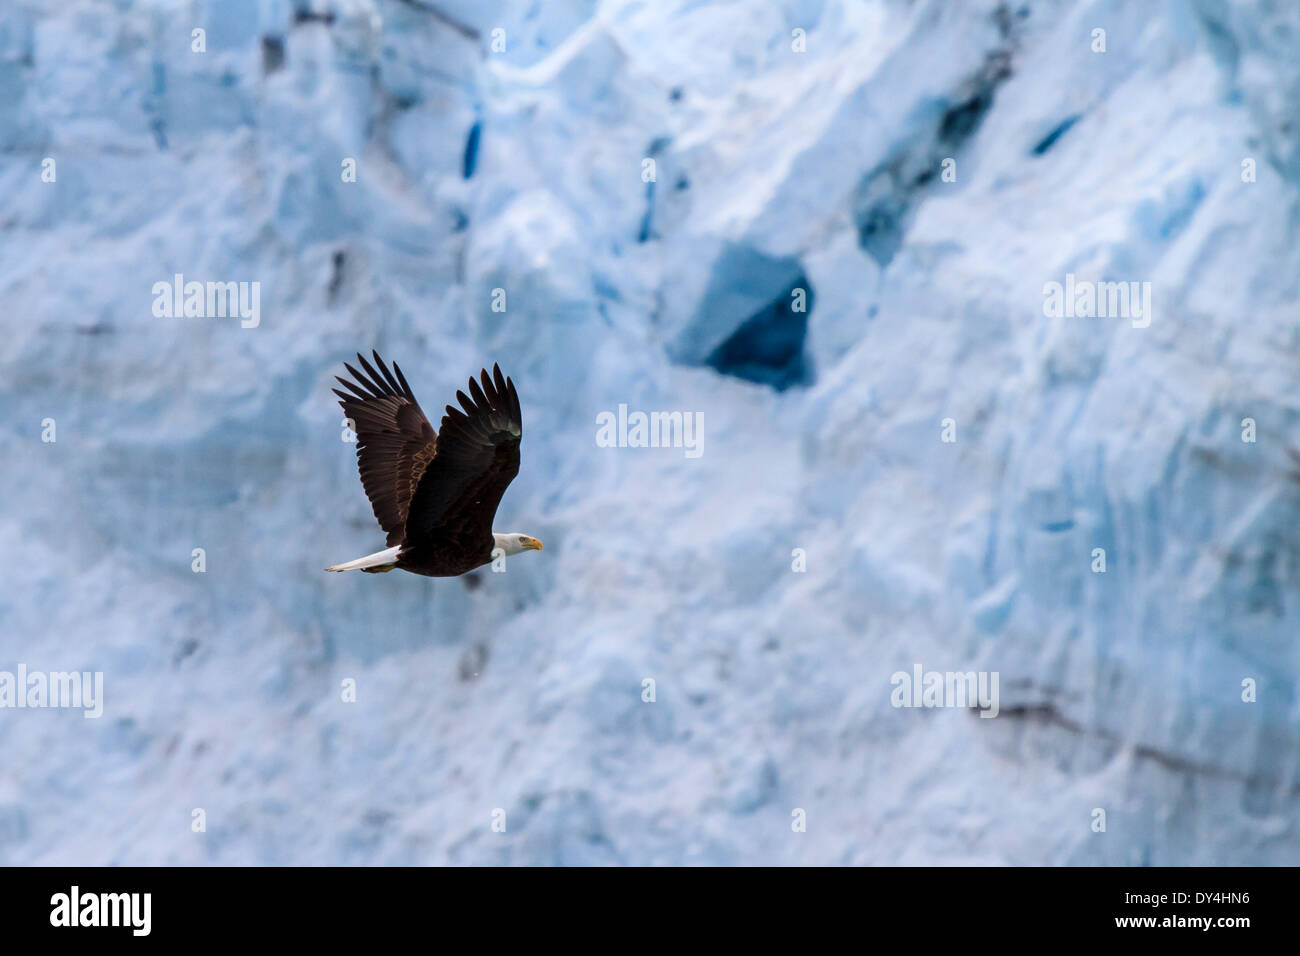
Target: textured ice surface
{"x":522,"y":170}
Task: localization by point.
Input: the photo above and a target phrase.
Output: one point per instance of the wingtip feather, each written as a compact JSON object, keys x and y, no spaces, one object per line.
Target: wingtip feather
{"x":388,"y":376}
{"x":480,"y":400}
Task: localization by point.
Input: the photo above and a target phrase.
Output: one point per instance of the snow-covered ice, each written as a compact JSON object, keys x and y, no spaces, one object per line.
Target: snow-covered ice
{"x":784,"y":162}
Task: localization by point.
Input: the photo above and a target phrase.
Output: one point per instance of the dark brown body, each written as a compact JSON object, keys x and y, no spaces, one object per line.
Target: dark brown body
{"x":446,"y":559}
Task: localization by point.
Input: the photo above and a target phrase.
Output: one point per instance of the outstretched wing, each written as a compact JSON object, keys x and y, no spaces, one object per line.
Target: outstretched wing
{"x":478,"y":456}
{"x":395,"y":442}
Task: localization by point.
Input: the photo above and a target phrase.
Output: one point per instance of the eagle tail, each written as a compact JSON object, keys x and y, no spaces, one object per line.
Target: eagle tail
{"x":384,"y":560}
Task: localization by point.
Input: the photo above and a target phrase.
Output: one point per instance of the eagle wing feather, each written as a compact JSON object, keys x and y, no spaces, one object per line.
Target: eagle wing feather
{"x":457,"y":495}
{"x":395,"y":442}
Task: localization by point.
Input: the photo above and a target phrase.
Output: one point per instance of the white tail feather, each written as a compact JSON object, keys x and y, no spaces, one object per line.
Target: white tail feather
{"x":378,"y":559}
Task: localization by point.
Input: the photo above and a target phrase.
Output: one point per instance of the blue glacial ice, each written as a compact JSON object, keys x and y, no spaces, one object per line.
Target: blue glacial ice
{"x":523,"y":170}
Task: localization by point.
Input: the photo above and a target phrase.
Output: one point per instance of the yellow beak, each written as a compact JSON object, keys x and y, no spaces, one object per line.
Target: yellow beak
{"x":532,"y":544}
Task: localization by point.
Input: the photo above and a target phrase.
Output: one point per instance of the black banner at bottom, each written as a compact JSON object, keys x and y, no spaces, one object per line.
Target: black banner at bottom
{"x":335,"y":906}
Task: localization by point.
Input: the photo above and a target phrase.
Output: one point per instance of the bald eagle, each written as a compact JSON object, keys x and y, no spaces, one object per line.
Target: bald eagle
{"x":435,"y":495}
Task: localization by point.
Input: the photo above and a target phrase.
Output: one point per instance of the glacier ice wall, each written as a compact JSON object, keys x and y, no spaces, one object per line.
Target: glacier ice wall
{"x":796,"y":145}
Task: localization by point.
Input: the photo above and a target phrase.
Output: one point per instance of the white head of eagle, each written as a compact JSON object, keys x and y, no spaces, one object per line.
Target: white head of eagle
{"x":515,"y":543}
